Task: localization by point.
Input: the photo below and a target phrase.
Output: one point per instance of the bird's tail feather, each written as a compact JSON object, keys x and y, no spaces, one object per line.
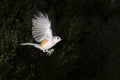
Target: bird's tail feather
{"x":31,"y":44}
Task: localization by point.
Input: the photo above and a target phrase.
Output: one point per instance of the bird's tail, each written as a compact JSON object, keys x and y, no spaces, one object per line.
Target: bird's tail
{"x":32,"y":44}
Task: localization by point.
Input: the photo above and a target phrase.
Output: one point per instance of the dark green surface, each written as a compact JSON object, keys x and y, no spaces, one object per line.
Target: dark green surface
{"x":90,"y":30}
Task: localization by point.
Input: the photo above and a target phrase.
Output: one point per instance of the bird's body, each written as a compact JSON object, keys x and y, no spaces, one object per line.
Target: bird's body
{"x":42,"y":33}
{"x":46,"y":43}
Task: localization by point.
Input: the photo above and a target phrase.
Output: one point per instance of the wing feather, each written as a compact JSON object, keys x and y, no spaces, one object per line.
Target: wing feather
{"x":41,"y":27}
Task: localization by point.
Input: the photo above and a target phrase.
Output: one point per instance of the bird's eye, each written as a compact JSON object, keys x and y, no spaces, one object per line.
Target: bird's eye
{"x":58,"y":38}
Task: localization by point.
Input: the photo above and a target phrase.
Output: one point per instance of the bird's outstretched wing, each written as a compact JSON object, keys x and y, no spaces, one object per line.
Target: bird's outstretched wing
{"x":41,"y":27}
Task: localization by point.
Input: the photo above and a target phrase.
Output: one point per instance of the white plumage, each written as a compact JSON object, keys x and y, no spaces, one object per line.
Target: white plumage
{"x":42,"y":32}
{"x":41,"y":27}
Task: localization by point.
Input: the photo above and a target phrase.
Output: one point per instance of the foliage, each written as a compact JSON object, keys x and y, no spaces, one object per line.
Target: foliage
{"x":89,"y":50}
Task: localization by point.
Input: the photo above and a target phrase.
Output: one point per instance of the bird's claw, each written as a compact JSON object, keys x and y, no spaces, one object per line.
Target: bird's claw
{"x":49,"y":52}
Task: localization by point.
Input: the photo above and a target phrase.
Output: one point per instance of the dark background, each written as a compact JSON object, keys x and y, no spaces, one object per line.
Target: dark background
{"x":90,"y":30}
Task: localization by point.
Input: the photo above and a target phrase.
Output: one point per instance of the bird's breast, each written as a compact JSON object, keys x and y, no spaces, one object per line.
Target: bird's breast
{"x":47,"y":43}
{"x":44,"y":42}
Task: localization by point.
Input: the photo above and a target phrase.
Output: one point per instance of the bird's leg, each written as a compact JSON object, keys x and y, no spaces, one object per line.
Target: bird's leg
{"x":45,"y":50}
{"x":50,"y":51}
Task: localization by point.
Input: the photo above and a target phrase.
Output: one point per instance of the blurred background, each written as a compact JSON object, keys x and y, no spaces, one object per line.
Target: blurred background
{"x":90,"y":49}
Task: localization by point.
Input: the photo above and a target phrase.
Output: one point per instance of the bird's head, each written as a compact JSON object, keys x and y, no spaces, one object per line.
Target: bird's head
{"x":56,"y":39}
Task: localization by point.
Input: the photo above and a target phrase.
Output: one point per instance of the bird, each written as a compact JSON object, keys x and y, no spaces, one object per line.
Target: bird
{"x":42,"y":33}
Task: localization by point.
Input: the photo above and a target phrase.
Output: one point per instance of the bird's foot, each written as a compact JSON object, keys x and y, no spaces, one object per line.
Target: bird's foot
{"x":49,"y":52}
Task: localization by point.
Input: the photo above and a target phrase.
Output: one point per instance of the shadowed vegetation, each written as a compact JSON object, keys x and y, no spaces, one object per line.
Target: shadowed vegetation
{"x":90,"y":30}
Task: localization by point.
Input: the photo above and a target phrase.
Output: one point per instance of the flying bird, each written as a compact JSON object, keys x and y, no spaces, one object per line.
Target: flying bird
{"x":42,"y":33}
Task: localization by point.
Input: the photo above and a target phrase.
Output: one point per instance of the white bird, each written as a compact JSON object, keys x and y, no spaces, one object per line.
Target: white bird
{"x":42,"y":33}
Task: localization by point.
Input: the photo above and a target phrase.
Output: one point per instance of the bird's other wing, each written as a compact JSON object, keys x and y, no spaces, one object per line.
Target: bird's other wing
{"x":41,"y":27}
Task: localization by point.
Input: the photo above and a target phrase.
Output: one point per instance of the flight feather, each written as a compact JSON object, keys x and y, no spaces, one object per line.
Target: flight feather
{"x":41,"y":27}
